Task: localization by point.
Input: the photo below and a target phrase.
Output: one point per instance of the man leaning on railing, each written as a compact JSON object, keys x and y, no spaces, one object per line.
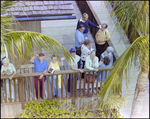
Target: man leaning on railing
{"x":91,"y":63}
{"x":8,"y":69}
{"x":40,"y":65}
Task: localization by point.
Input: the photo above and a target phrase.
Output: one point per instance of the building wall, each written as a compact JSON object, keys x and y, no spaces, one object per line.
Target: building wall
{"x":34,"y":26}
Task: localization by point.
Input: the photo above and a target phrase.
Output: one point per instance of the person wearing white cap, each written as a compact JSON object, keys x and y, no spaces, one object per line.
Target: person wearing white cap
{"x":108,"y":52}
{"x":8,"y":69}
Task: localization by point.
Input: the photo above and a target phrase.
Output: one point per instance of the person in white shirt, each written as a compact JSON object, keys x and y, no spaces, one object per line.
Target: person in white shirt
{"x":108,"y":52}
{"x":8,"y":69}
{"x":73,"y":65}
{"x":91,"y":62}
{"x":85,"y":51}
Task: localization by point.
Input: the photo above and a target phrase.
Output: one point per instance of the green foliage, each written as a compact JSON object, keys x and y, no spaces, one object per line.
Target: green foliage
{"x":23,"y":41}
{"x":53,"y":109}
{"x":111,"y":93}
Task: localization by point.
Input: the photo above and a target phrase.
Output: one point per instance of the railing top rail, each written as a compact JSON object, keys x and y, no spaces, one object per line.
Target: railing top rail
{"x":24,"y":66}
{"x":55,"y":73}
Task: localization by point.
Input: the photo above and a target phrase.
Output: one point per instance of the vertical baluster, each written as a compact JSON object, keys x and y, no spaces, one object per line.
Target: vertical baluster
{"x":10,"y":90}
{"x":33,"y":88}
{"x":101,"y":79}
{"x":29,"y":87}
{"x":1,"y":93}
{"x":80,"y":85}
{"x":76,"y":84}
{"x":24,"y":81}
{"x":73,"y":88}
{"x":22,"y":92}
{"x":19,"y":89}
{"x":38,"y":88}
{"x":62,"y":86}
{"x":52,"y":86}
{"x":105,"y":74}
{"x":93,"y":81}
{"x":84,"y":82}
{"x":15,"y":90}
{"x":32,"y":69}
{"x":5,"y":90}
{"x":66,"y":85}
{"x":43,"y":87}
{"x":71,"y":78}
{"x":97,"y":82}
{"x":47,"y":87}
{"x":57,"y":84}
{"x":88,"y":83}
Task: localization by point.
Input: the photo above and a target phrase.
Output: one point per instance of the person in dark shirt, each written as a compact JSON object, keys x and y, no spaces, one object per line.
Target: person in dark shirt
{"x":85,"y":21}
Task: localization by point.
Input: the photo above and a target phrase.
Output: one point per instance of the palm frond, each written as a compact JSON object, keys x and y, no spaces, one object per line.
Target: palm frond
{"x":114,"y":101}
{"x":23,"y":41}
{"x":125,"y":13}
{"x":6,"y":15}
{"x":139,"y":49}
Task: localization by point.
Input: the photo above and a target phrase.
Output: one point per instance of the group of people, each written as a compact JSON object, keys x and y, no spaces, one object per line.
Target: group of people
{"x":81,"y":54}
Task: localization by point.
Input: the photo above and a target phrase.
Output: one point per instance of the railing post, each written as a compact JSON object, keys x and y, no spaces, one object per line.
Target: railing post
{"x":73,"y":88}
{"x":22,"y":92}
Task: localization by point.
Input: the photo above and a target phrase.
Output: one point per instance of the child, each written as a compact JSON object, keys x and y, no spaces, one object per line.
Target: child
{"x":55,"y":65}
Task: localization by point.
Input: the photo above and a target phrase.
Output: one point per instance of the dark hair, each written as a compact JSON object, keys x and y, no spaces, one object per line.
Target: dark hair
{"x":80,"y":26}
{"x":106,"y":60}
{"x":87,"y":42}
{"x":105,"y":25}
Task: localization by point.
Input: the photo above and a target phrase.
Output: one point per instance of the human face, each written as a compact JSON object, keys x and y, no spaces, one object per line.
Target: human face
{"x":54,"y":59}
{"x":107,"y":50}
{"x":85,"y":18}
{"x":5,"y":64}
{"x":41,"y":58}
{"x":92,"y":56}
{"x":73,"y":54}
{"x":82,"y":29}
{"x":103,"y":27}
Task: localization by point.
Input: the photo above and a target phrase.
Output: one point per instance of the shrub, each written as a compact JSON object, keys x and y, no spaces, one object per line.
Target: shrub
{"x":53,"y":109}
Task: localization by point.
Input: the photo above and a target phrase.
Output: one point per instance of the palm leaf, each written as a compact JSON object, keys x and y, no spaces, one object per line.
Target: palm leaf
{"x":139,"y":49}
{"x":23,"y":41}
{"x":125,"y":13}
{"x":6,"y":15}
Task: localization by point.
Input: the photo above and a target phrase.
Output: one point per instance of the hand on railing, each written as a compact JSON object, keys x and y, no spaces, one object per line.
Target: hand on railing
{"x":10,"y":77}
{"x":96,"y":70}
{"x":81,"y":70}
{"x":41,"y":76}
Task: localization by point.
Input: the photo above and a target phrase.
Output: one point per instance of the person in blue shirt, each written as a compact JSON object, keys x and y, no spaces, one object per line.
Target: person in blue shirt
{"x":79,"y":40}
{"x":106,"y":63}
{"x":85,"y":21}
{"x":40,"y":65}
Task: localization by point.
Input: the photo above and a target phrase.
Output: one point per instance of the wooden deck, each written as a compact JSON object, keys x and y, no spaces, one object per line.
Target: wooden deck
{"x":66,"y":36}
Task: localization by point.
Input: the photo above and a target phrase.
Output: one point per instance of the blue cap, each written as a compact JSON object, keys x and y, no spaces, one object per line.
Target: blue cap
{"x":72,"y":50}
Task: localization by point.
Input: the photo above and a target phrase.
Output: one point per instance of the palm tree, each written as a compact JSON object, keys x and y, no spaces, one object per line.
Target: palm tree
{"x":126,"y":13}
{"x":23,"y":41}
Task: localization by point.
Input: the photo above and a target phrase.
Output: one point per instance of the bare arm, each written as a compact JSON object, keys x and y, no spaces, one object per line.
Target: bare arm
{"x":3,"y":73}
{"x":97,"y":40}
{"x":61,"y":63}
{"x":75,"y":69}
{"x":32,"y":59}
{"x":12,"y":75}
{"x":82,"y":42}
{"x":49,"y":66}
